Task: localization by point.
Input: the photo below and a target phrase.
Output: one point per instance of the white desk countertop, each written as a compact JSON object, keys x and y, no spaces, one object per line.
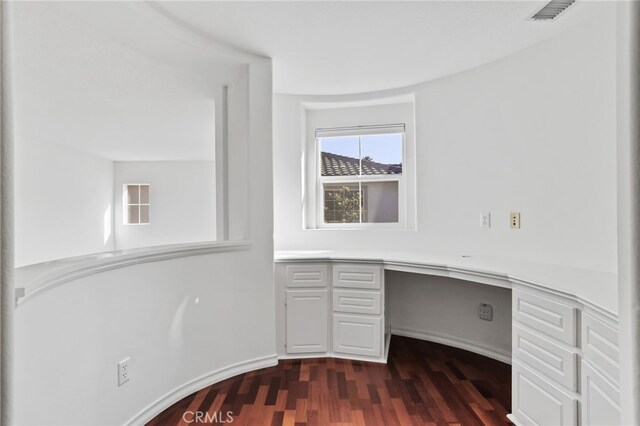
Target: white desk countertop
{"x":598,"y":289}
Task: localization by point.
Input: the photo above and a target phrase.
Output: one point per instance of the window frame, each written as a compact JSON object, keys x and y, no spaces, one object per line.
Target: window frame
{"x":360,"y":131}
{"x":126,"y":204}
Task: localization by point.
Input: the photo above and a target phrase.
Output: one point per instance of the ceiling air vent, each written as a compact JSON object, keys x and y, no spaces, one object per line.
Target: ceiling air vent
{"x":552,"y":10}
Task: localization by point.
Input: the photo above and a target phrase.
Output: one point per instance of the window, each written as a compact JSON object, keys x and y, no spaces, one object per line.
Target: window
{"x":136,"y":204}
{"x":360,"y":175}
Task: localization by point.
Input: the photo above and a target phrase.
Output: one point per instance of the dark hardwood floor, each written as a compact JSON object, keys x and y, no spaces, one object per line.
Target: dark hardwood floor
{"x":423,"y":383}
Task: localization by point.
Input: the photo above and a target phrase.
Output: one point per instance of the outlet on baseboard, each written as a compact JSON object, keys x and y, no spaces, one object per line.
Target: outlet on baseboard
{"x":485,"y":312}
{"x":123,"y":372}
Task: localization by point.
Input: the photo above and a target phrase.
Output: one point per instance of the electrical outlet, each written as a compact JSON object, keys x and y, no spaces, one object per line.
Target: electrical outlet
{"x":514,"y":220}
{"x":123,"y":372}
{"x":485,"y":220}
{"x":485,"y":312}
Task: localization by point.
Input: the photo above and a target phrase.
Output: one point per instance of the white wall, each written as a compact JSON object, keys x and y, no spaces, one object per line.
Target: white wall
{"x":182,"y":198}
{"x":63,"y":203}
{"x":446,"y":310}
{"x":177,"y":320}
{"x":534,"y":133}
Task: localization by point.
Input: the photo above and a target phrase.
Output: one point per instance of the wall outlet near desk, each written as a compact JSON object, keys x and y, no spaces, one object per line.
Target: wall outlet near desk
{"x":123,"y":372}
{"x":485,"y":312}
{"x":514,"y":220}
{"x":485,"y":220}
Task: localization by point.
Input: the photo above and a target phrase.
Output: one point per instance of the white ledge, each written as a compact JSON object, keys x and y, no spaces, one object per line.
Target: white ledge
{"x":595,"y":289}
{"x":33,"y":280}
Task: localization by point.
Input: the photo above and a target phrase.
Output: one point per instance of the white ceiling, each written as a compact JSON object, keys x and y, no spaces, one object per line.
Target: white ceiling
{"x":339,"y":47}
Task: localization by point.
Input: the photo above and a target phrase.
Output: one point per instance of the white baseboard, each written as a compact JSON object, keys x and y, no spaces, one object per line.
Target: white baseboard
{"x":208,"y":379}
{"x":514,"y":419}
{"x":495,"y":353}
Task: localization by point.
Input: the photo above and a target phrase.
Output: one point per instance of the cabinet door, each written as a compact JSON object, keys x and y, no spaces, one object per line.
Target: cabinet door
{"x":307,"y":321}
{"x":600,"y":398}
{"x":357,"y":335}
{"x":538,"y":402}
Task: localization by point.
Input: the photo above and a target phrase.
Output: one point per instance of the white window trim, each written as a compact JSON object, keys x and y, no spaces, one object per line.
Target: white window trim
{"x":125,"y":204}
{"x":372,"y":130}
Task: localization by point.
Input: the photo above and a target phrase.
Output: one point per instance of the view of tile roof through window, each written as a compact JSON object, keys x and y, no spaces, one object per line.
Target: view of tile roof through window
{"x":340,"y":165}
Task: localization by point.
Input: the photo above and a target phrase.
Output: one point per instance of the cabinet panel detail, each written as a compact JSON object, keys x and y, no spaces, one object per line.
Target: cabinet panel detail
{"x":359,"y":302}
{"x":538,"y":402}
{"x":357,"y":335}
{"x":314,"y":275}
{"x":600,"y":398}
{"x":357,"y":276}
{"x":552,"y":317}
{"x":551,"y":359}
{"x":600,"y":346}
{"x":307,"y":321}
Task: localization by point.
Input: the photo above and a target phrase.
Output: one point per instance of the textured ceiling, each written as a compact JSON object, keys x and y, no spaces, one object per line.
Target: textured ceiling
{"x":339,"y":47}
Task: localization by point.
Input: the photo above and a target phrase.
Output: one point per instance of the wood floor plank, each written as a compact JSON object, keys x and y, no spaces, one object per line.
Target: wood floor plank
{"x":423,"y":383}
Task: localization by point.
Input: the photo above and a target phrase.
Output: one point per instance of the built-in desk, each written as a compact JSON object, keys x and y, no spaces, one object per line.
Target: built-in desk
{"x":565,"y":361}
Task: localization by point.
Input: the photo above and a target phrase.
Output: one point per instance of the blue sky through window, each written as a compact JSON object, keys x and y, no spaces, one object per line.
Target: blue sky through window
{"x":385,"y":149}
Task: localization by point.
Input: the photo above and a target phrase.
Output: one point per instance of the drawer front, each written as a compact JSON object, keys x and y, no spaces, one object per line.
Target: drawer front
{"x":357,"y":276}
{"x":538,"y":402}
{"x":600,"y":346}
{"x":357,"y":335}
{"x":600,"y":398}
{"x":307,"y":275}
{"x":554,"y":361}
{"x":357,"y":302}
{"x":550,"y":316}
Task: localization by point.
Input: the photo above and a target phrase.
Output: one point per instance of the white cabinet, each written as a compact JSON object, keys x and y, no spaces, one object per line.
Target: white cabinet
{"x":331,"y":309}
{"x":305,"y":289}
{"x":313,"y":275}
{"x":358,"y":314}
{"x":600,"y":345}
{"x":544,"y":359}
{"x":307,"y":321}
{"x":357,"y":335}
{"x":600,"y":371}
{"x":550,"y":315}
{"x":548,"y":359}
{"x":600,"y":398}
{"x":555,"y":361}
{"x":538,"y":402}
{"x":359,"y":302}
{"x":357,"y":276}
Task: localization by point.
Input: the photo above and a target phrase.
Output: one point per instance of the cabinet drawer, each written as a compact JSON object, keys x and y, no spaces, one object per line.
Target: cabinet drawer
{"x":307,"y":275}
{"x":358,"y":302}
{"x":552,"y":360}
{"x":357,"y":276}
{"x":550,"y":316}
{"x":538,"y":402}
{"x":600,"y":398}
{"x":600,"y":346}
{"x":357,"y":335}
